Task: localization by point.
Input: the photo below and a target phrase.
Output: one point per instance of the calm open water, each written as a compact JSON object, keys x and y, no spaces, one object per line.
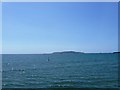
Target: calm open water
{"x":62,"y":70}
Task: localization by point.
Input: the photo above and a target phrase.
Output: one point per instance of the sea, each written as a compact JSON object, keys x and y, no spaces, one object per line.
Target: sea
{"x":60,"y":70}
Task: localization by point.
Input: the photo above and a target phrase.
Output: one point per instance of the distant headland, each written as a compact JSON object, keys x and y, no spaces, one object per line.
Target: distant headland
{"x":67,"y":52}
{"x":75,"y":52}
{"x":116,"y":52}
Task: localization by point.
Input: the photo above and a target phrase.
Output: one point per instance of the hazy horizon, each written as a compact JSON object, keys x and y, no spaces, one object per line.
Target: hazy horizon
{"x":60,"y":52}
{"x":36,"y":28}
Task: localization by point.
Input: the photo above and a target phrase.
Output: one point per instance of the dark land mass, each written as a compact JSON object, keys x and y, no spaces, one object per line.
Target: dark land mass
{"x":68,"y":52}
{"x":116,"y":52}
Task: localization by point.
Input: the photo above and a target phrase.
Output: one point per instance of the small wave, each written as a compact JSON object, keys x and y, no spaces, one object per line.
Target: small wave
{"x":60,"y":86}
{"x":65,"y":82}
{"x":13,"y":70}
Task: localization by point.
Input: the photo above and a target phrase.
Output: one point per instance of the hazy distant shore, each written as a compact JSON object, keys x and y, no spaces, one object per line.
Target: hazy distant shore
{"x":68,"y":52}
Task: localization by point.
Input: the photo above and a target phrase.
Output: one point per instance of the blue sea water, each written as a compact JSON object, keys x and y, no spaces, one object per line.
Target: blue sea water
{"x":79,"y":70}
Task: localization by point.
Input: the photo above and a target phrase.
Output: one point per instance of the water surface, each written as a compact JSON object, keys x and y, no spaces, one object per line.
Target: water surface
{"x":61,"y":70}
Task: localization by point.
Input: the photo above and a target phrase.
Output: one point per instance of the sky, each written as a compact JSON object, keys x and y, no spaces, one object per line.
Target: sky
{"x":32,"y":28}
{"x":0,"y":45}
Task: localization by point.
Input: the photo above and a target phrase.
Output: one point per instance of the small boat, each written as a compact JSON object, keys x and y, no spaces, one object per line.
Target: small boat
{"x":48,"y":59}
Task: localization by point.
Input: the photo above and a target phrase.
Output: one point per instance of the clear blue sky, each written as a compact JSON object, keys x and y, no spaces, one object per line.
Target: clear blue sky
{"x":49,"y":27}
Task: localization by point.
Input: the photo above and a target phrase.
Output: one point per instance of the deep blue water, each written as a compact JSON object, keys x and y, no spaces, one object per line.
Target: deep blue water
{"x":62,"y":70}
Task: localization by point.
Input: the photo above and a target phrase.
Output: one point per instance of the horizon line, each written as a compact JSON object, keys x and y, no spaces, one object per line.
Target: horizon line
{"x":63,"y":51}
